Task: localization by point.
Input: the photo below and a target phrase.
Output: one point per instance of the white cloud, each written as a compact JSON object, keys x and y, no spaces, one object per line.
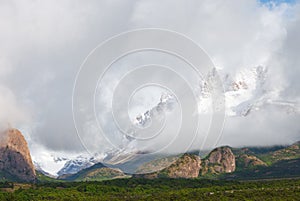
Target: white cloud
{"x":43,"y":44}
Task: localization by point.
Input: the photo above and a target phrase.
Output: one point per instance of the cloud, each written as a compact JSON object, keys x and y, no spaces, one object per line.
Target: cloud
{"x":13,"y":111}
{"x":240,"y":35}
{"x":44,"y":43}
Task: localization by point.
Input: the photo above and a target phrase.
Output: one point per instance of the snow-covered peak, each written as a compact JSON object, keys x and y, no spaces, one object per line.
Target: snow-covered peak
{"x":75,"y":165}
{"x":128,"y":149}
{"x":244,"y":91}
{"x":166,"y":103}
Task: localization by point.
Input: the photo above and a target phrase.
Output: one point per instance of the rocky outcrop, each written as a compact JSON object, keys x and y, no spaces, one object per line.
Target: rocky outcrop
{"x":15,"y":159}
{"x":220,"y":160}
{"x":249,"y":161}
{"x":186,"y":166}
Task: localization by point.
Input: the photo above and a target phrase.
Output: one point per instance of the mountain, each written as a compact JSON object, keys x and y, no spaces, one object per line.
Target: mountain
{"x":247,"y":161}
{"x":94,"y":173}
{"x":245,"y":91}
{"x":15,"y":159}
{"x":166,"y":103}
{"x":280,"y":169}
{"x":156,"y":165}
{"x":266,"y":163}
{"x":278,"y":163}
{"x":287,"y":153}
{"x":185,"y":166}
{"x":75,"y":165}
{"x":220,"y":163}
{"x":219,"y":160}
{"x":229,"y":163}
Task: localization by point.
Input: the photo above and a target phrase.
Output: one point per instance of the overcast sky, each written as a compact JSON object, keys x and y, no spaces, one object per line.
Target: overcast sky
{"x":43,"y":44}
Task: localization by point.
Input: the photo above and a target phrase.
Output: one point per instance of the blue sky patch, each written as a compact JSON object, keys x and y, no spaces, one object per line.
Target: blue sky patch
{"x":278,"y":1}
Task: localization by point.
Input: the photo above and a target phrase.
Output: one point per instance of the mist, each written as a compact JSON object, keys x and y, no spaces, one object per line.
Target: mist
{"x":43,"y":44}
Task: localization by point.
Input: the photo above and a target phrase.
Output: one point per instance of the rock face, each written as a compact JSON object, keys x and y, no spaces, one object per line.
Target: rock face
{"x":220,"y":160}
{"x":186,"y":166}
{"x":15,"y":159}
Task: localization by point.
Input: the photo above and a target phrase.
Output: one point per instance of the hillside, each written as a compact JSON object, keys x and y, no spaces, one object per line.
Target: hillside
{"x":221,"y":163}
{"x":287,"y":153}
{"x":230,"y":163}
{"x":283,"y":162}
{"x":96,"y":172}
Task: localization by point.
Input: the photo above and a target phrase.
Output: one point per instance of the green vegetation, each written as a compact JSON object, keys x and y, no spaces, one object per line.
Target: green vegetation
{"x":87,"y":184}
{"x":155,"y":189}
{"x":288,"y":153}
{"x":41,"y":178}
{"x":259,"y":175}
{"x":281,"y":162}
{"x":280,"y":169}
{"x":97,"y":172}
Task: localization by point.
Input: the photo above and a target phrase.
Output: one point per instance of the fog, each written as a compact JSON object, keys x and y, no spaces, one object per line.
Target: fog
{"x":44,"y":43}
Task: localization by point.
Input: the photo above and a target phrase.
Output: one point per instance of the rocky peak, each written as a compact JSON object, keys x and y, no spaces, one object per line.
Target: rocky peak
{"x":15,"y":159}
{"x":186,"y":166}
{"x":220,"y":160}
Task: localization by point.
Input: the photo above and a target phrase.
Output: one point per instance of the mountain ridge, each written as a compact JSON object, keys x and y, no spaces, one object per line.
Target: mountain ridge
{"x":220,"y":161}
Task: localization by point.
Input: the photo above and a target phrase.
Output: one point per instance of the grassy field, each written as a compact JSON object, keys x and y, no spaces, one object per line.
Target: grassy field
{"x":156,"y":189}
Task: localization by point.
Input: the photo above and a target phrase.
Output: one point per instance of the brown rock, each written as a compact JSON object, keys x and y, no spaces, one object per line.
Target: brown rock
{"x":186,"y":166}
{"x":220,"y":160}
{"x":15,"y":159}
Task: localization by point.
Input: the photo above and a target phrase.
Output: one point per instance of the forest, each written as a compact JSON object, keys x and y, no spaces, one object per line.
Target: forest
{"x":154,"y":189}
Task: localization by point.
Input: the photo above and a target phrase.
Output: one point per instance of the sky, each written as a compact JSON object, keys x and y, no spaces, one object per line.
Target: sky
{"x":278,"y":1}
{"x":44,"y":43}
